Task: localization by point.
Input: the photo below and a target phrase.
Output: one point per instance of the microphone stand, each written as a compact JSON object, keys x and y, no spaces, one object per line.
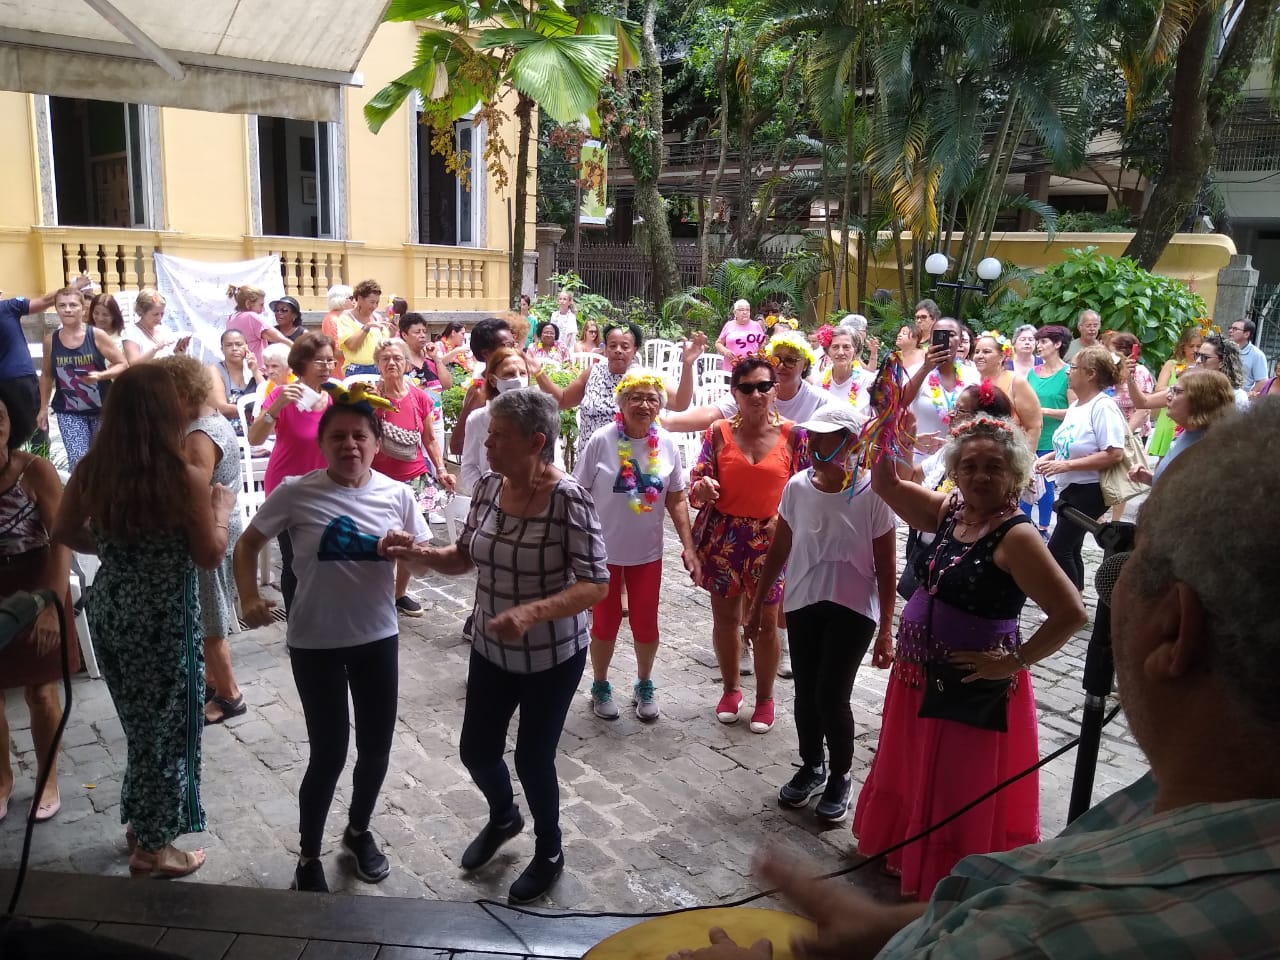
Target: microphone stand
{"x":1099,"y":668}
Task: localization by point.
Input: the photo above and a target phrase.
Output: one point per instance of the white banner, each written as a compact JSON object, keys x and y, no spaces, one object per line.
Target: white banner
{"x":195,"y":292}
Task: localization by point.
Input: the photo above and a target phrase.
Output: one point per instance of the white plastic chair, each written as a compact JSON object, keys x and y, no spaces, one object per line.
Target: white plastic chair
{"x":713,"y":388}
{"x":661,"y":355}
{"x":362,"y":378}
{"x":707,"y":365}
{"x":587,"y":360}
{"x":252,"y":496}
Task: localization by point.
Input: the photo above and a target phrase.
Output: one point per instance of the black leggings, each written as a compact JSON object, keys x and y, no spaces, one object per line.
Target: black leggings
{"x":288,"y":581}
{"x":828,"y":642}
{"x":371,"y":672}
{"x":543,"y":698}
{"x":1066,"y":543}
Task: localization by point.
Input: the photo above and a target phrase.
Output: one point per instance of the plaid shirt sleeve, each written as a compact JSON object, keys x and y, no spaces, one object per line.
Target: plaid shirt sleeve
{"x":1197,"y":881}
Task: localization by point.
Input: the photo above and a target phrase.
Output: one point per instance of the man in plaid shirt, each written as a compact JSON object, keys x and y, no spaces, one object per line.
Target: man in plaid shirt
{"x":1185,"y":862}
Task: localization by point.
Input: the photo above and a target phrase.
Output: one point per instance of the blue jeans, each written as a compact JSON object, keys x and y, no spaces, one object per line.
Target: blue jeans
{"x":356,"y":369}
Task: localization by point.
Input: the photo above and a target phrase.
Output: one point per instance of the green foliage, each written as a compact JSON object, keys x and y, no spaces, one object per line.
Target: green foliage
{"x":1119,"y":220}
{"x":451,"y":402}
{"x":562,"y":377}
{"x":708,"y":307}
{"x":1155,"y":309}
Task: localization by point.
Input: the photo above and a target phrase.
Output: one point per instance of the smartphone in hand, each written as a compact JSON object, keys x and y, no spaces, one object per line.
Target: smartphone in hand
{"x":940,"y":339}
{"x":1135,"y":352}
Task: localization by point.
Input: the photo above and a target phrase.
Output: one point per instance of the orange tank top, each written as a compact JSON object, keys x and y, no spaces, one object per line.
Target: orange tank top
{"x":752,"y":489}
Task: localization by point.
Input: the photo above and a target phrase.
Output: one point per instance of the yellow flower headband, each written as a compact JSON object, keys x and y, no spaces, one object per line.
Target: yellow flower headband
{"x":1006,"y":348}
{"x":792,"y":339}
{"x":774,"y":320}
{"x":1208,"y":327}
{"x":644,"y":379}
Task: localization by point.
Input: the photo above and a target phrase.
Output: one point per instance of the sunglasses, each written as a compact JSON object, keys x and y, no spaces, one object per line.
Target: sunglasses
{"x":762,"y":386}
{"x":1205,"y":357}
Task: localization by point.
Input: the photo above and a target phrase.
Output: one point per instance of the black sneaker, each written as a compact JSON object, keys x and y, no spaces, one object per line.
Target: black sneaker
{"x":371,"y":864}
{"x":481,"y":850}
{"x":834,"y":805}
{"x":409,"y":606}
{"x":804,"y":786}
{"x":537,"y":879}
{"x":466,"y":627}
{"x":309,"y":877}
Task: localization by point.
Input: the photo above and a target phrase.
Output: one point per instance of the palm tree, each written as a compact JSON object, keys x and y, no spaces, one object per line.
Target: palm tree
{"x":478,"y":50}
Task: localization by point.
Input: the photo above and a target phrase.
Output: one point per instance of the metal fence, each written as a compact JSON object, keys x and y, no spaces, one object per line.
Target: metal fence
{"x":621,"y":271}
{"x":1266,"y":314}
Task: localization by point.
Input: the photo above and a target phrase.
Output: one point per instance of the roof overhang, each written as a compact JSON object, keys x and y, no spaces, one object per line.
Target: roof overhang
{"x":283,"y":58}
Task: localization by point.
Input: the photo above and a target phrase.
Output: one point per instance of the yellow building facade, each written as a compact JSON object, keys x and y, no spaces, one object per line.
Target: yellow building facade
{"x":99,"y":187}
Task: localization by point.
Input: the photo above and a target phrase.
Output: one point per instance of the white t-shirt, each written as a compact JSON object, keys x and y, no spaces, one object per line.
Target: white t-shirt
{"x":831,"y":555}
{"x":929,"y":413}
{"x":630,"y":538}
{"x":839,"y":392}
{"x":1087,"y":428}
{"x":567,"y":324}
{"x":160,"y":334}
{"x":346,"y":592}
{"x":475,"y":456}
{"x":807,"y":401}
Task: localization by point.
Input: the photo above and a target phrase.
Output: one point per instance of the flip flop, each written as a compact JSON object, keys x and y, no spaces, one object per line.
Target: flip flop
{"x":47,"y":811}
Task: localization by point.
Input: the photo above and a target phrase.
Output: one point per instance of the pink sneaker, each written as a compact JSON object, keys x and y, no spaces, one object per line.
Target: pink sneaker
{"x":727,"y":708}
{"x":762,"y":717}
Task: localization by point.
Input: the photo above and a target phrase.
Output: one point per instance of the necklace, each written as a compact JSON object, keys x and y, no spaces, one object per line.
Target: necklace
{"x":943,"y":400}
{"x":933,"y":575}
{"x":854,"y":386}
{"x":640,"y":501}
{"x":534,"y":484}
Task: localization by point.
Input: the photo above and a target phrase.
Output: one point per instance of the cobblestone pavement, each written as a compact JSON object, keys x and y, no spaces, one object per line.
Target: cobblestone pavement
{"x":654,"y":815}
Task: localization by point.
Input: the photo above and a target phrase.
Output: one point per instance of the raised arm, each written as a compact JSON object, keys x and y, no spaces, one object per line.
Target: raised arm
{"x":567,"y":397}
{"x":919,"y":507}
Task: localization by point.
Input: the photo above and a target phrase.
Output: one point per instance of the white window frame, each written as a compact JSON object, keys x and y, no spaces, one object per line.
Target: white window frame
{"x":151,"y":163}
{"x":337,"y":187}
{"x":479,"y":177}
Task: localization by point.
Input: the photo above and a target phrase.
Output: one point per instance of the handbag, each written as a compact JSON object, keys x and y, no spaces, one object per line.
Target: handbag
{"x":1114,"y":480}
{"x":979,"y":703}
{"x":399,"y":443}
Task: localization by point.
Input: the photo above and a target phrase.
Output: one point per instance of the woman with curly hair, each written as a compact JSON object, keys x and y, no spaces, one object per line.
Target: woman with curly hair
{"x":736,"y":484}
{"x":149,"y":514}
{"x":959,"y":715}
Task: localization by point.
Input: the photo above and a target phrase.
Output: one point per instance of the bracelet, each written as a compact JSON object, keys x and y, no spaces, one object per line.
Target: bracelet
{"x":1016,"y":653}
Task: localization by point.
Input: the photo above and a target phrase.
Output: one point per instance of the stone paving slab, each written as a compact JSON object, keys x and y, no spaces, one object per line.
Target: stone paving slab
{"x":654,"y":815}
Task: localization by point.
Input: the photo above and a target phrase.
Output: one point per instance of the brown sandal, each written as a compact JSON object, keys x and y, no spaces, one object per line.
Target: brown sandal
{"x":167,"y":864}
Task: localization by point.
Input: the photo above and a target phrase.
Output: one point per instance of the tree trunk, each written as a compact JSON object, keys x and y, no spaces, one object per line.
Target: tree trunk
{"x":901,"y":256}
{"x":1198,"y":115}
{"x":662,"y":253}
{"x":704,"y":237}
{"x":524,"y":113}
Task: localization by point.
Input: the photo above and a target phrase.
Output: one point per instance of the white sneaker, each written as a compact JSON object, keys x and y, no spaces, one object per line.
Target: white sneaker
{"x":646,"y":700}
{"x":602,"y":700}
{"x":747,"y":664}
{"x":784,"y":661}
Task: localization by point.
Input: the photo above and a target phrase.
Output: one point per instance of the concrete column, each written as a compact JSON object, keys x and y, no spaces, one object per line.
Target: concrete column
{"x":549,"y":236}
{"x":529,"y":279}
{"x":1237,"y":282}
{"x":1036,"y":187}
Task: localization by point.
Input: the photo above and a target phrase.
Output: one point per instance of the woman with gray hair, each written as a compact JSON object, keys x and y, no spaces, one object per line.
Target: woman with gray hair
{"x":1024,"y":359}
{"x":959,"y":716}
{"x":533,"y":537}
{"x":341,"y":298}
{"x":740,"y":335}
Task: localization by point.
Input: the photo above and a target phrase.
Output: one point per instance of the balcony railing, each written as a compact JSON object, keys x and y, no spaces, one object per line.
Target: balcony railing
{"x":432,"y":278}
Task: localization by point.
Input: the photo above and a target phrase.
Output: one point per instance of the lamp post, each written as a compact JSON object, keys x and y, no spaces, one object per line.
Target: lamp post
{"x":989,"y":270}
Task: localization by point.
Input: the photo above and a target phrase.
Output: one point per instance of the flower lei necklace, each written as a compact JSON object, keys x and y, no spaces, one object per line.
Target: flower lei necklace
{"x":942,"y":401}
{"x":640,"y":501}
{"x":854,"y":386}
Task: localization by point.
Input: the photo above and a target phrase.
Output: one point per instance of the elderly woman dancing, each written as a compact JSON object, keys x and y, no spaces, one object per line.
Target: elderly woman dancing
{"x":632,"y":470}
{"x":945,"y":741}
{"x":533,"y":537}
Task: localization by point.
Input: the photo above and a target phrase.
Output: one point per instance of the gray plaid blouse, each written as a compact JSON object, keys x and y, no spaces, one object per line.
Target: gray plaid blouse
{"x":530,"y":558}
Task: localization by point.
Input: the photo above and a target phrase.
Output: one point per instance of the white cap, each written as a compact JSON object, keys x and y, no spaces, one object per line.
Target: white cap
{"x":835,"y":417}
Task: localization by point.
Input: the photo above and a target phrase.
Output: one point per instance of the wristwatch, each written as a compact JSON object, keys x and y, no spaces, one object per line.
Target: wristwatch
{"x":268,"y":416}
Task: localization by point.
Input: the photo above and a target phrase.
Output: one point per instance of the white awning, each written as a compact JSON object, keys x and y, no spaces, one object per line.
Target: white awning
{"x":281,"y":58}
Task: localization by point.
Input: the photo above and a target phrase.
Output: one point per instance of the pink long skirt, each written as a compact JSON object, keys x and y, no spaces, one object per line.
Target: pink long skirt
{"x":926,"y":769}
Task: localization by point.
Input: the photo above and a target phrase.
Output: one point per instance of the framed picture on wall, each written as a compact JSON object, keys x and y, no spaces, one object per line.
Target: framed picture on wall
{"x":309,"y":188}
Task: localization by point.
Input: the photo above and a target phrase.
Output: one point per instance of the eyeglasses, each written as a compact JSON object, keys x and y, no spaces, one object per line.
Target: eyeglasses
{"x":790,"y":361}
{"x":1174,"y":391}
{"x":644,"y":399}
{"x":324,"y":363}
{"x":1205,"y":357}
{"x":761,"y":386}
